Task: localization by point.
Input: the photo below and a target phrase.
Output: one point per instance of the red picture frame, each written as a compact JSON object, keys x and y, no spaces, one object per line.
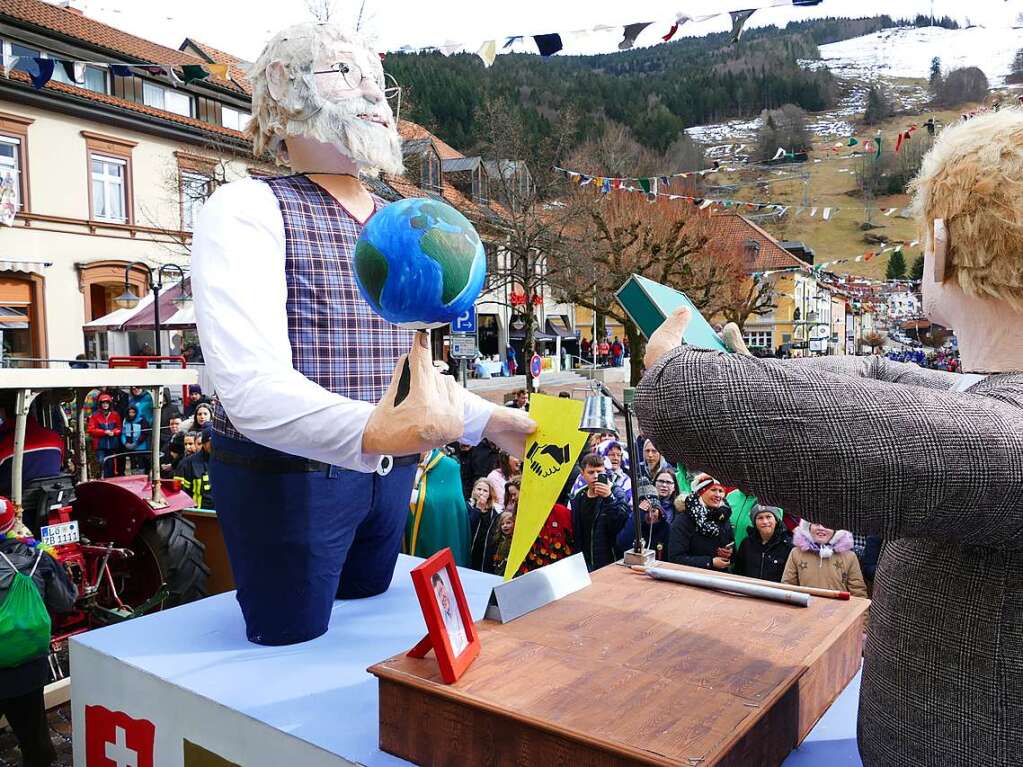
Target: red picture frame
{"x":436,"y":581}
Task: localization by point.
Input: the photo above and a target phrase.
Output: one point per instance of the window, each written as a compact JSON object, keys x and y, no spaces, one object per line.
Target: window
{"x":195,"y":188}
{"x":10,"y":166}
{"x":168,"y":99}
{"x":93,"y":78}
{"x":759,"y":339}
{"x":234,"y":118}
{"x":109,"y":202}
{"x":25,"y":56}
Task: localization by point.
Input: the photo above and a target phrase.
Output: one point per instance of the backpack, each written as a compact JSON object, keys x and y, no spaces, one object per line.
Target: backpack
{"x":24,"y":621}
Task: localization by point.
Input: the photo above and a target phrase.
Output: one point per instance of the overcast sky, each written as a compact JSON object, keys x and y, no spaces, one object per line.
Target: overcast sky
{"x":242,"y":26}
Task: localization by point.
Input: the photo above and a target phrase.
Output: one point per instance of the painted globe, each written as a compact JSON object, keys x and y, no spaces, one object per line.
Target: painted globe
{"x":419,"y":263}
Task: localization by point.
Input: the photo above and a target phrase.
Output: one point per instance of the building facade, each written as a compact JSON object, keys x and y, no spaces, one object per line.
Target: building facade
{"x":108,"y":169}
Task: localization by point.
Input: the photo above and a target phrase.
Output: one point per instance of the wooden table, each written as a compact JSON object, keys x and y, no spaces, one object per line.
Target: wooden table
{"x":629,"y":671}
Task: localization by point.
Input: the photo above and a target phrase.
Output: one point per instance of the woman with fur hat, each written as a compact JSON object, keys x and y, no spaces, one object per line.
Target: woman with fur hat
{"x":765,"y":547}
{"x":701,"y":533}
{"x":823,"y":558}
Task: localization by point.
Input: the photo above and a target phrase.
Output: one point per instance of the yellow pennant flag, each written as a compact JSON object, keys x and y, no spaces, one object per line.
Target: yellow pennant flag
{"x":546,"y":466}
{"x":219,"y":70}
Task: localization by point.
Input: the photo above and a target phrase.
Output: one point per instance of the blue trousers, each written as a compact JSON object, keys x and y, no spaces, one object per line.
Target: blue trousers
{"x":298,"y":539}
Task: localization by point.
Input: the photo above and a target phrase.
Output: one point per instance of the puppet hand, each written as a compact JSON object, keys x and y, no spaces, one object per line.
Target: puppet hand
{"x":732,"y":338}
{"x":508,"y":428}
{"x":667,"y":336}
{"x":429,"y":415}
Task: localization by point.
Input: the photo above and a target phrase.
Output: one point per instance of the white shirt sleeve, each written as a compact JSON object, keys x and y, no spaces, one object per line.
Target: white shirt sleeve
{"x":240,"y":309}
{"x":240,"y":294}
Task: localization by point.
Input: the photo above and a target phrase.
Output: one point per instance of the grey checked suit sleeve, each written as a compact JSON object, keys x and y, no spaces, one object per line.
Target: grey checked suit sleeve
{"x":893,"y":457}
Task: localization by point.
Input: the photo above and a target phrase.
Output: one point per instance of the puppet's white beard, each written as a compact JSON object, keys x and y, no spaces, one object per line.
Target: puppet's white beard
{"x":371,"y":146}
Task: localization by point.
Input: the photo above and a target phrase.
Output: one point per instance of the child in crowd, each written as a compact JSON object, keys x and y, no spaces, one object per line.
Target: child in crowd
{"x":823,"y":558}
{"x":500,"y":544}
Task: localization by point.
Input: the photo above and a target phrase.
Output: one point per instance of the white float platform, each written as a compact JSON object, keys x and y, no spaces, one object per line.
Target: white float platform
{"x":191,"y":672}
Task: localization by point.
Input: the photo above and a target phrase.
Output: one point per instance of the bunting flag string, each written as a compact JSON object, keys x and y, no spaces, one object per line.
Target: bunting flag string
{"x":74,"y":69}
{"x":550,"y":43}
{"x":648,"y":187}
{"x":582,"y":179}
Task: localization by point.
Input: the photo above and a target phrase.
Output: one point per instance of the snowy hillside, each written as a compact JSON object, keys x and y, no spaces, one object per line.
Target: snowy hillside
{"x":907,"y":52}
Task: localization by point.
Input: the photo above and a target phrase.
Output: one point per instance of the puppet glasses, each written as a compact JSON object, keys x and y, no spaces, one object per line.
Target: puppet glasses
{"x":350,"y":75}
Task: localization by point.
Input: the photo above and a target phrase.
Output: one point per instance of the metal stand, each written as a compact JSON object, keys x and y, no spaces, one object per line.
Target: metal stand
{"x":640,"y":555}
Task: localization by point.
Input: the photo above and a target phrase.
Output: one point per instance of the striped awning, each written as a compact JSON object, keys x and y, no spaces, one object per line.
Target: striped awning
{"x":23,"y":266}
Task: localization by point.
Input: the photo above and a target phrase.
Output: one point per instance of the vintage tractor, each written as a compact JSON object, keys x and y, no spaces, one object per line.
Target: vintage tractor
{"x":123,"y":540}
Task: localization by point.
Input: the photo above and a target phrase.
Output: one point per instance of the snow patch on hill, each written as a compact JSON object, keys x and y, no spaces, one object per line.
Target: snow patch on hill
{"x":907,"y":52}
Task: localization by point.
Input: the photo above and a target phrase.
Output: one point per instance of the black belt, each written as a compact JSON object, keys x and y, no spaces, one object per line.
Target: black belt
{"x":290,"y":464}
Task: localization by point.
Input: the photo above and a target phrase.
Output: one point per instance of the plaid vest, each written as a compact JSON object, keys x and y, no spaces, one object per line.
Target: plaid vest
{"x":337,"y":341}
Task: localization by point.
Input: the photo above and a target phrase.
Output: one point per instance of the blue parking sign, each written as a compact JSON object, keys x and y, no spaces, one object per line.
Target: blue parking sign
{"x":465,"y":322}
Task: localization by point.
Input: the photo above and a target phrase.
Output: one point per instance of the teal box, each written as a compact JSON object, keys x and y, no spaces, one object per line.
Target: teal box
{"x":649,"y":303}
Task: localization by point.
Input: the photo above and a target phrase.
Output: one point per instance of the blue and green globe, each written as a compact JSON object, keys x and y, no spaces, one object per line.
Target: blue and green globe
{"x":419,"y":263}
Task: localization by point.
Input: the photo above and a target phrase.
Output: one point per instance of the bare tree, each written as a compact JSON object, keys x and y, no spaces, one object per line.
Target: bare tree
{"x":523,"y":187}
{"x":745,"y":296}
{"x":621,"y":234}
{"x":875,"y":340}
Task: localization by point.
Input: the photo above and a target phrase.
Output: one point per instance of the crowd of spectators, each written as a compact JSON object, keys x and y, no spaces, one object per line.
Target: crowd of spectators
{"x":936,"y":360}
{"x":686,"y":517}
{"x":607,"y":352}
{"x":119,"y":424}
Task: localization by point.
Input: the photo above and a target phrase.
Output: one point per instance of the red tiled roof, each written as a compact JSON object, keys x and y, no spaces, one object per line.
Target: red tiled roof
{"x":468,"y":207}
{"x":104,"y":98}
{"x":238,"y":67}
{"x":80,"y":27}
{"x":410,"y":131}
{"x":733,"y":229}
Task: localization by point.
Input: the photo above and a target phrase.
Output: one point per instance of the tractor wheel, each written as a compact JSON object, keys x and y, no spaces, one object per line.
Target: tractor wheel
{"x":169,"y":543}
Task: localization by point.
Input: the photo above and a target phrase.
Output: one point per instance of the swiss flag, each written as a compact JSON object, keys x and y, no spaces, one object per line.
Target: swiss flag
{"x":114,"y":739}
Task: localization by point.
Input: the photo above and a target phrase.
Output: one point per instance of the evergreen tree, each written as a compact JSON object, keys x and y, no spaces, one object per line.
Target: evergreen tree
{"x":896,"y":266}
{"x":917,"y":270}
{"x":1016,"y":70}
{"x":879,"y":106}
{"x":935,"y":81}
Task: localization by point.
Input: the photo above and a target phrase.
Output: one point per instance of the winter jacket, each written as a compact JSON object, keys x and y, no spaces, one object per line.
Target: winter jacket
{"x":481,"y":529}
{"x":756,"y":559}
{"x":595,"y":534}
{"x":143,"y":404}
{"x":554,"y":542}
{"x":99,"y":423}
{"x":135,"y":434}
{"x":58,"y":594}
{"x":194,"y":475}
{"x":688,"y":545}
{"x":840,"y":571}
{"x":644,"y":472}
{"x":659,"y":537}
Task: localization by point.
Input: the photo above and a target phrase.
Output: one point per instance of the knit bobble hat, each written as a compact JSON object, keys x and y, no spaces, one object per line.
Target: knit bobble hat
{"x":702,"y":483}
{"x":7,"y":518}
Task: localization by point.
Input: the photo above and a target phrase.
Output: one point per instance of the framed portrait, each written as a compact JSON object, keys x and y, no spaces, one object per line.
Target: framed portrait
{"x":451,"y":633}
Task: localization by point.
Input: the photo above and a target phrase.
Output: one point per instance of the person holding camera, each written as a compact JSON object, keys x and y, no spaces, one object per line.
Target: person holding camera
{"x":32,"y":584}
{"x":701,"y":532}
{"x":598,"y":514}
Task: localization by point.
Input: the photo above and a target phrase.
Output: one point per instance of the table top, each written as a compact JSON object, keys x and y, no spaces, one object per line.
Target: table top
{"x":647,"y":650}
{"x":201,"y":647}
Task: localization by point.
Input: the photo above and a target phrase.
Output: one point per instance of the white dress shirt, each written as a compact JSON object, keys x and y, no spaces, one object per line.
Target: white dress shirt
{"x":241,"y":294}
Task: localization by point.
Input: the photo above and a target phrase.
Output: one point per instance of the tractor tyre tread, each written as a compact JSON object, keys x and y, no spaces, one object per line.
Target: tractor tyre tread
{"x":181,"y":555}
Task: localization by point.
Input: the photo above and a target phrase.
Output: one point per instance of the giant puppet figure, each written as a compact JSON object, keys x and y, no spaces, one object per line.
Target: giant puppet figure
{"x":930,"y":461}
{"x":313,"y":462}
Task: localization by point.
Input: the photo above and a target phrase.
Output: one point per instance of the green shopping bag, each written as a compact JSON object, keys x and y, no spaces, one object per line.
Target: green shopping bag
{"x":24,"y":621}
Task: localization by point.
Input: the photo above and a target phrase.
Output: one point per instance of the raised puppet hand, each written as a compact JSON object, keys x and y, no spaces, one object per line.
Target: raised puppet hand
{"x":508,"y":428}
{"x":420,"y":410}
{"x":669,"y":335}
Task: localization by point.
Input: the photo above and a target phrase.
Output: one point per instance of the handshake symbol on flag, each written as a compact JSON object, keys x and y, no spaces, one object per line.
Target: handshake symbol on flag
{"x":547,"y":460}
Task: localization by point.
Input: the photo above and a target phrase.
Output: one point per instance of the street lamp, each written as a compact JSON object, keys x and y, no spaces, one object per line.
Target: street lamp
{"x":129,"y":299}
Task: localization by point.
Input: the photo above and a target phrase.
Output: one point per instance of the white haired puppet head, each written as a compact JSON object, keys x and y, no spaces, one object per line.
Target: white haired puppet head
{"x":324,"y":83}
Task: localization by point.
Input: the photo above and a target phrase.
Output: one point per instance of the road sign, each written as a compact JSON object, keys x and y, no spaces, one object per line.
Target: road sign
{"x":535,"y":366}
{"x":463,"y":346}
{"x":465,"y":322}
